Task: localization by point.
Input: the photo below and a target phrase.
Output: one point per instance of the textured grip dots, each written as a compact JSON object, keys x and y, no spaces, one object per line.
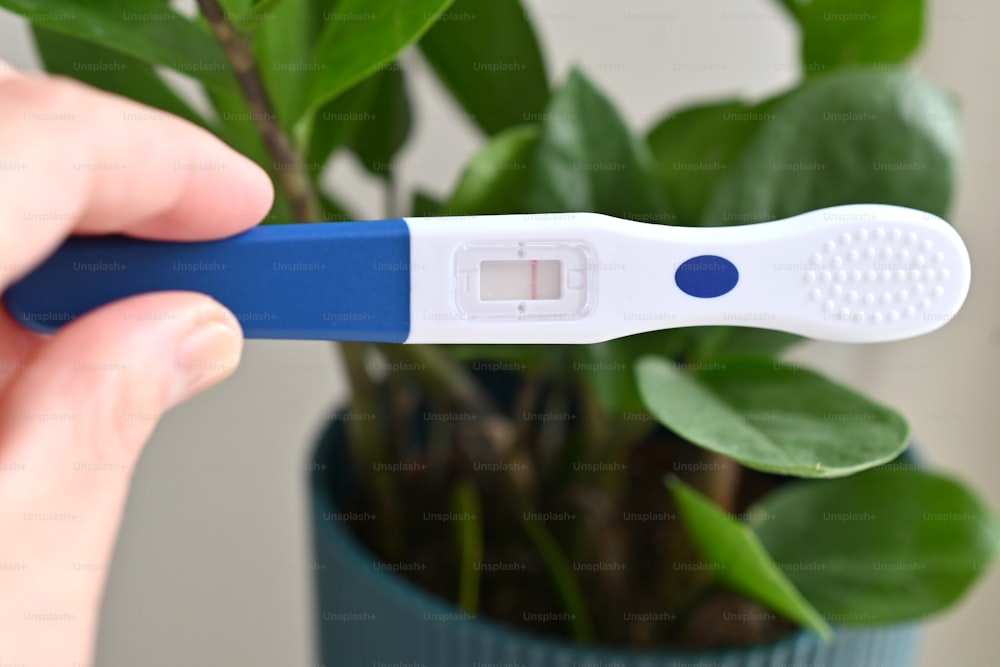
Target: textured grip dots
{"x":877,"y":274}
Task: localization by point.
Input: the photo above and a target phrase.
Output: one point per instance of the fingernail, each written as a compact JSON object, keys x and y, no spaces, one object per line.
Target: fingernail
{"x":206,"y":354}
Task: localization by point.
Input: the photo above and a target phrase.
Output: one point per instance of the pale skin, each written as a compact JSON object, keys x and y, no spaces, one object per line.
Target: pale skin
{"x":77,"y":407}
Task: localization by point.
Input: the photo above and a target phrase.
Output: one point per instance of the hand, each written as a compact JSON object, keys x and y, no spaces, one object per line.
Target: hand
{"x":76,"y":408}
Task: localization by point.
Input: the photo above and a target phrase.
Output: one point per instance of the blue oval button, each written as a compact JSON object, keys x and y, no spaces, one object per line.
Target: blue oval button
{"x":707,"y":276}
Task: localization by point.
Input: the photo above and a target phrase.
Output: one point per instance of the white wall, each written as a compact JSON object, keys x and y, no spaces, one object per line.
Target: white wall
{"x":213,"y":566}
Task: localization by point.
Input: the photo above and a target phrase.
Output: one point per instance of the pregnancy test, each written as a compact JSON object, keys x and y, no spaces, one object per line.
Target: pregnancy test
{"x":858,"y":273}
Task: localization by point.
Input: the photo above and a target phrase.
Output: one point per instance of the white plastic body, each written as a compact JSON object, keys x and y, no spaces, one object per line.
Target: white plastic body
{"x":858,"y":273}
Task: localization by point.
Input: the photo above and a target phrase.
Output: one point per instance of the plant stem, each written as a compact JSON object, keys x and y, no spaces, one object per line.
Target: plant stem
{"x":446,"y":376}
{"x":289,"y":170}
{"x":368,"y":443}
{"x":527,"y":398}
{"x":720,"y":480}
{"x":390,"y":194}
{"x":288,"y":167}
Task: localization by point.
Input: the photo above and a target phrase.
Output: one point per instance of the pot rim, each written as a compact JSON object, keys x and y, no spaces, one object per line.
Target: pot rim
{"x":421,"y":601}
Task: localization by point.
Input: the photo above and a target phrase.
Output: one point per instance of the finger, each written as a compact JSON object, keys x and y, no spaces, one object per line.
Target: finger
{"x":17,"y":343}
{"x":72,"y":425}
{"x":7,"y":71}
{"x":77,"y":159}
{"x":123,"y":358}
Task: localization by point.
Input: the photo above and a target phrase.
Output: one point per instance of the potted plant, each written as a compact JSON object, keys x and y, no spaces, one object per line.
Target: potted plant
{"x":679,"y":497}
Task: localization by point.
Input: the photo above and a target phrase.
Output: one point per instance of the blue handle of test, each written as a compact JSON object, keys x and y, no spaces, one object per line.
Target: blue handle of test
{"x":346,"y":281}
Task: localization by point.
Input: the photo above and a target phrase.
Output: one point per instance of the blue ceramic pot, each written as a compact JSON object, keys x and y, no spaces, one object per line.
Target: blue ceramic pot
{"x":368,"y":617}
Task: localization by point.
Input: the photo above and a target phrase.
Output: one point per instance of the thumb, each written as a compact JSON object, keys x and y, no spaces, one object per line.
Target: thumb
{"x":72,"y":425}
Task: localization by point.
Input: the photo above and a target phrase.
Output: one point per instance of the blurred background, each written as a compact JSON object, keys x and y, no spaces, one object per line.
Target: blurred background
{"x":214,"y":564}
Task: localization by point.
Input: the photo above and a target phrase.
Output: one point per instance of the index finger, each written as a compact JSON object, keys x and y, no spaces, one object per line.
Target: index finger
{"x":74,"y":159}
{"x":6,"y":70}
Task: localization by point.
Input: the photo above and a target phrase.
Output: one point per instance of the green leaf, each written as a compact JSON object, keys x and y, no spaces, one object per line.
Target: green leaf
{"x":237,"y":127}
{"x":588,"y":160}
{"x":339,"y":120}
{"x":425,"y":204}
{"x":711,"y":342}
{"x":148,"y":30}
{"x":609,"y":368}
{"x":885,"y":546}
{"x":334,"y":211}
{"x":283,"y":35}
{"x":281,"y":213}
{"x":849,"y":137}
{"x":496,"y":179}
{"x":360,"y":36}
{"x":379,"y":138}
{"x":254,"y":15}
{"x":734,"y":341}
{"x":772,"y":417}
{"x":740,"y":562}
{"x":469,"y":536}
{"x":695,"y":147}
{"x":282,"y":48}
{"x":561,"y":573}
{"x":109,"y":70}
{"x":500,"y":357}
{"x":487,"y":55}
{"x":836,"y":33}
